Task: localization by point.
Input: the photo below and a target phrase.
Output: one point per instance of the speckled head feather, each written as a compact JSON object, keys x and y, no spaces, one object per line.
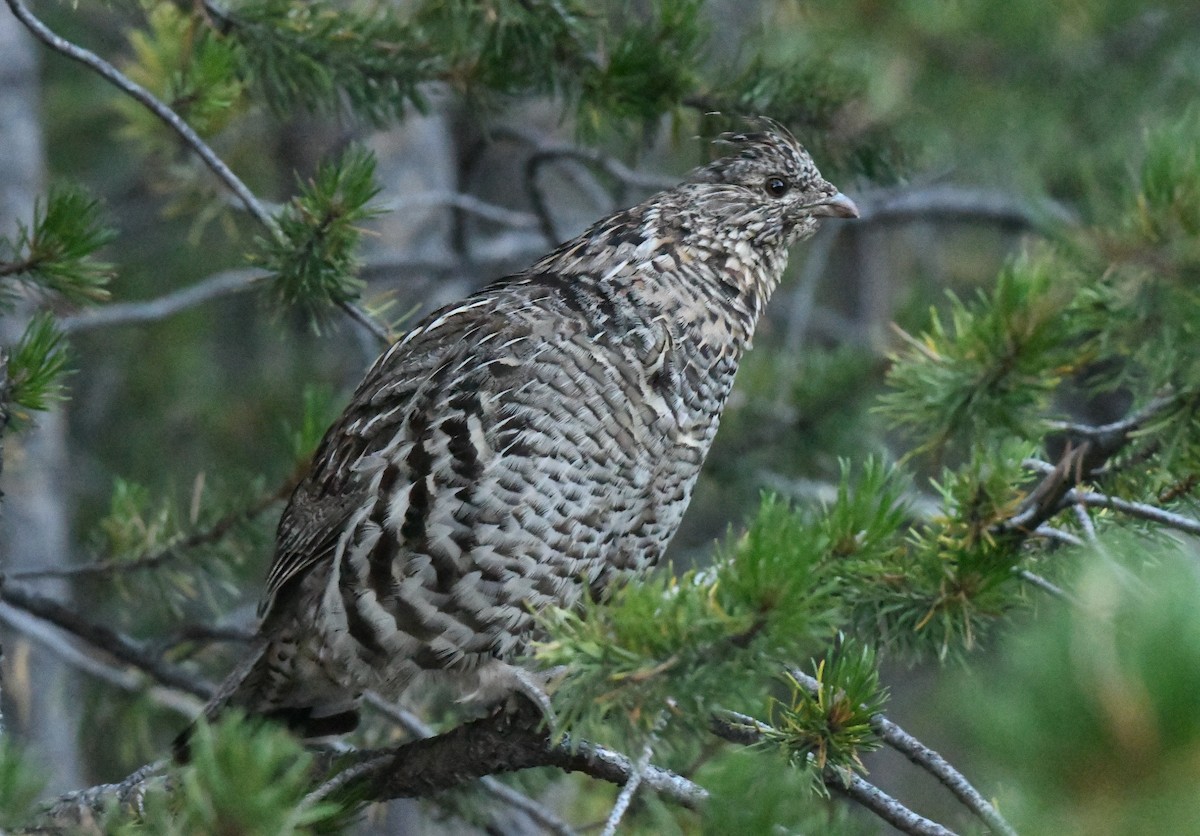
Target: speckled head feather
{"x":525,"y":447}
{"x":779,"y":183}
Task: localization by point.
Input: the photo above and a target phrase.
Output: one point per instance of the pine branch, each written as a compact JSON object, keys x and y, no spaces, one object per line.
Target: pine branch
{"x":56,"y":251}
{"x":193,"y":140}
{"x":930,"y":761}
{"x":506,"y":794}
{"x":504,"y":742}
{"x":131,"y":88}
{"x":157,"y":558}
{"x":739,"y":728}
{"x":1140,"y":510}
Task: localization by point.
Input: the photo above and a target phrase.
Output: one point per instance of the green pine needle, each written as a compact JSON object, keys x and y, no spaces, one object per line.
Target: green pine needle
{"x":831,"y":727}
{"x":243,"y":777}
{"x":991,"y":368}
{"x":36,"y":367}
{"x":314,"y":259}
{"x":57,"y":252}
{"x":324,"y":57}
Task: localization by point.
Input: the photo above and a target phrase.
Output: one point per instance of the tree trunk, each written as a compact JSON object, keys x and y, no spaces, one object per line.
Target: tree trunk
{"x":40,"y":693}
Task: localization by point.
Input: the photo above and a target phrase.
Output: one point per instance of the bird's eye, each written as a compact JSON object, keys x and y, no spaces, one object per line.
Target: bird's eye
{"x":776,"y":186}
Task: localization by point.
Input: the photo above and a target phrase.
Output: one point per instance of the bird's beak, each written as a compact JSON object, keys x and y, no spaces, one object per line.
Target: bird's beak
{"x":838,"y":206}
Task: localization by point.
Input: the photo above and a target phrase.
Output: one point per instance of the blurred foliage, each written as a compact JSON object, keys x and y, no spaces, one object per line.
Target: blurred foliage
{"x":781,"y":798}
{"x":1086,"y":713}
{"x":243,"y":777}
{"x":21,"y":783}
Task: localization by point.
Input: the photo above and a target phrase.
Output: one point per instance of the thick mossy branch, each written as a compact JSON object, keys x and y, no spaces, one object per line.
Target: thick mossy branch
{"x":57,"y":251}
{"x":314,"y":258}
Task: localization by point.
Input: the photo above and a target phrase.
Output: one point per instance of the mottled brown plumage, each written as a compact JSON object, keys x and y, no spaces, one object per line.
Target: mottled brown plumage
{"x":526,"y":446}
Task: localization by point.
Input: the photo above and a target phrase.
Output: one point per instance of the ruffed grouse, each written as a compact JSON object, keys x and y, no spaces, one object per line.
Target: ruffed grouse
{"x":526,"y":446}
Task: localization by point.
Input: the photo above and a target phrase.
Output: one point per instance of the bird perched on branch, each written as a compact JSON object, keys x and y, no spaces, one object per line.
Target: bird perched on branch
{"x":524,"y":447}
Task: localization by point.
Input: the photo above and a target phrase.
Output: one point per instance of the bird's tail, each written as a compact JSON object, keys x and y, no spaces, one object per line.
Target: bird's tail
{"x":252,"y":689}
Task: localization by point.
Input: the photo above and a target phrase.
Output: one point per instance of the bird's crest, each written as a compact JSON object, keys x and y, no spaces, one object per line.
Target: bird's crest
{"x":768,"y":148}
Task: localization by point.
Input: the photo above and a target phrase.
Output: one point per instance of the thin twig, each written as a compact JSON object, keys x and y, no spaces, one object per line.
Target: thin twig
{"x":625,"y":797}
{"x":939,"y":767}
{"x":225,"y":283}
{"x":746,"y":730}
{"x":614,"y":767}
{"x":1122,"y":427}
{"x":169,"y":117}
{"x":1041,"y":583}
{"x":887,"y":808}
{"x":1085,"y":521}
{"x":105,"y":638}
{"x":172,"y":551}
{"x":927,"y":759}
{"x":947,"y":202}
{"x":592,"y":157}
{"x":370,"y":323}
{"x":127,"y":679}
{"x":466,"y":203}
{"x":1134,"y":509}
{"x":1058,"y":534}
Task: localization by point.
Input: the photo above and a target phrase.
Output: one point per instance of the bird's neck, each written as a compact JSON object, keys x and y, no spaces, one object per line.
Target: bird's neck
{"x":670,"y":265}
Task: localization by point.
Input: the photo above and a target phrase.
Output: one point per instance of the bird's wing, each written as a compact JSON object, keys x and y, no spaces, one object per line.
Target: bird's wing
{"x":396,"y":401}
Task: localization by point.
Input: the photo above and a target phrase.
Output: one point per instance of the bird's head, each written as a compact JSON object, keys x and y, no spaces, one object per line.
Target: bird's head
{"x":768,"y":187}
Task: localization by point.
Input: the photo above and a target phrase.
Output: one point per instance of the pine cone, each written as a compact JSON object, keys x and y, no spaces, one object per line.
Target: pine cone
{"x":526,"y":446}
